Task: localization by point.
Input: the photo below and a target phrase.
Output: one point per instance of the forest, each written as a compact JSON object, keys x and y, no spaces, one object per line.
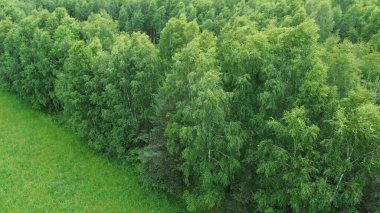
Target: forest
{"x":228,"y":105}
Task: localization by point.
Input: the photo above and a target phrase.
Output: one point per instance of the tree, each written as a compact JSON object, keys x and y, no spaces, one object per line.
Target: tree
{"x":370,"y":66}
{"x":198,"y":128}
{"x":176,"y":34}
{"x":131,"y":80}
{"x":79,"y":89}
{"x":38,"y":72}
{"x":64,"y":36}
{"x":287,"y":165}
{"x":352,"y":150}
{"x":372,"y":26}
{"x":343,"y":66}
{"x":241,"y":106}
{"x":137,"y":21}
{"x":10,"y":67}
{"x":158,"y":23}
{"x":82,"y":10}
{"x":102,"y":27}
{"x":36,"y":69}
{"x":323,"y":15}
{"x":319,"y":99}
{"x":15,"y":57}
{"x":14,"y":10}
{"x":5,"y":26}
{"x":242,"y":52}
{"x":375,"y":42}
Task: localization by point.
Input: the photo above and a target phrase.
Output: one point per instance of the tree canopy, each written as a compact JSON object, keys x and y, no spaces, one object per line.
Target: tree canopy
{"x":230,"y":105}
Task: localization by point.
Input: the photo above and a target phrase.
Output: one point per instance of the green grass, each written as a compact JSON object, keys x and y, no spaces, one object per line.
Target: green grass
{"x":44,"y":168}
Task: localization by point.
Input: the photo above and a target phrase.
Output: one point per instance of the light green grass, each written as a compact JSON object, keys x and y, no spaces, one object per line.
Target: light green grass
{"x":44,"y":168}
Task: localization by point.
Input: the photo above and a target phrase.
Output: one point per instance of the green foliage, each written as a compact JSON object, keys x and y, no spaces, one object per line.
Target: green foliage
{"x":234,"y":105}
{"x":316,"y":96}
{"x":353,"y":151}
{"x":176,"y":34}
{"x":64,"y":36}
{"x":102,"y":27}
{"x":287,"y":164}
{"x":322,"y":12}
{"x":360,"y":20}
{"x":133,"y":76}
{"x":79,"y":89}
{"x":198,"y":129}
{"x":5,"y":26}
{"x":343,"y":63}
{"x":370,"y":66}
{"x":38,"y":78}
{"x":29,"y":53}
{"x":14,"y":10}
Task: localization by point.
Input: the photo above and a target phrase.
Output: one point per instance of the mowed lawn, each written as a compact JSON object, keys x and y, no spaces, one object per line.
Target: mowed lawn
{"x":44,"y":168}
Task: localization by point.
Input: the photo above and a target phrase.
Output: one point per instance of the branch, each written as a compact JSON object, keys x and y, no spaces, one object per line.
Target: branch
{"x":227,"y":156}
{"x":341,"y":176}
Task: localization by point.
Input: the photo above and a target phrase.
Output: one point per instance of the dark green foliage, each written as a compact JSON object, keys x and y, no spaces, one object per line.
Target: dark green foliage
{"x":360,"y":20}
{"x":372,"y":195}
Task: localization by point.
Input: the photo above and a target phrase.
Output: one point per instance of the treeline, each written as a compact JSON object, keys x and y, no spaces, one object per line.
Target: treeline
{"x":268,"y":106}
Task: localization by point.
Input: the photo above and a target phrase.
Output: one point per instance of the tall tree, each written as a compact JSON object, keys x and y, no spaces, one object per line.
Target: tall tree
{"x":198,"y":129}
{"x":102,"y":27}
{"x":79,"y":89}
{"x":131,"y":81}
{"x":343,"y":65}
{"x":352,"y":149}
{"x":176,"y":34}
{"x":322,"y":13}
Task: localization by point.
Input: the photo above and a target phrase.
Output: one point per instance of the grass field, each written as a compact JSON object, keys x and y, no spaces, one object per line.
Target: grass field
{"x":44,"y":168}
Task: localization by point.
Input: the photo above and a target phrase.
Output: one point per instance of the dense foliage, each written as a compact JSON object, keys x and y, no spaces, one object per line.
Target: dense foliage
{"x":268,"y":106}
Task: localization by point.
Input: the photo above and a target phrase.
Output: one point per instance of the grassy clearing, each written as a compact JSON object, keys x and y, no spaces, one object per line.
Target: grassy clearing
{"x":44,"y":168}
